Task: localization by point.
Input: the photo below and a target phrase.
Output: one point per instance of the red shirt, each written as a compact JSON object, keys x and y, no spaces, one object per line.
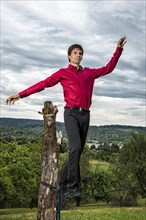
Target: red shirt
{"x":77,"y":84}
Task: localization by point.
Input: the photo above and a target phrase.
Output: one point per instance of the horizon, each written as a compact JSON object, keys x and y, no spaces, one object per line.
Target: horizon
{"x":126,"y":125}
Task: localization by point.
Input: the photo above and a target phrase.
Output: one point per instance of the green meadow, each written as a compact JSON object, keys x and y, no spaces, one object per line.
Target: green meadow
{"x":96,"y":164}
{"x":86,"y":212}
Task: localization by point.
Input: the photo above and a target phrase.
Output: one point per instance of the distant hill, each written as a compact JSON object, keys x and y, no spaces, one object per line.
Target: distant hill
{"x":32,"y":130}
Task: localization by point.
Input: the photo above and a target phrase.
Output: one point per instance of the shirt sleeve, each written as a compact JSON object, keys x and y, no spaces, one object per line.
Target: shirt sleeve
{"x":110,"y":65}
{"x":48,"y":82}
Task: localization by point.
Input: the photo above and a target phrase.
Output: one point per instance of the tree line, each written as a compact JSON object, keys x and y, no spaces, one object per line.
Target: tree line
{"x":20,"y":172}
{"x":29,"y":130}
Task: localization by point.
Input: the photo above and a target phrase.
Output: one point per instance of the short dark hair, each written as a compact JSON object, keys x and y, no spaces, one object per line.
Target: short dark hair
{"x":72,"y":47}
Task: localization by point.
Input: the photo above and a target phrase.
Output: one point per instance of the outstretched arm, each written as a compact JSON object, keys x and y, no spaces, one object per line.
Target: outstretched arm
{"x":10,"y":100}
{"x":113,"y":62}
{"x":48,"y":82}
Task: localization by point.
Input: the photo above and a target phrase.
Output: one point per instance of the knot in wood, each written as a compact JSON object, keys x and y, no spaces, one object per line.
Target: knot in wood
{"x":50,"y":119}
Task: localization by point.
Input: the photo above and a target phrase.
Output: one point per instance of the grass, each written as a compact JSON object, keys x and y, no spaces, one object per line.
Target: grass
{"x":18,"y":214}
{"x":106,"y":213}
{"x":96,"y":164}
{"x":86,"y":212}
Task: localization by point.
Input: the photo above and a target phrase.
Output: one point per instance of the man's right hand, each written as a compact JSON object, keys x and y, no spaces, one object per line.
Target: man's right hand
{"x":10,"y":100}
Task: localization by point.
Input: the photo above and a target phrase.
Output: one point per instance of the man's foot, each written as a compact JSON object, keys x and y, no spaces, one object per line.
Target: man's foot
{"x":63,"y":190}
{"x":65,"y":194}
{"x":74,"y":193}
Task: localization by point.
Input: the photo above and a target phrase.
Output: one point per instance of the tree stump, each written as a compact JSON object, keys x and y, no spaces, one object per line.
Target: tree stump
{"x":47,"y":201}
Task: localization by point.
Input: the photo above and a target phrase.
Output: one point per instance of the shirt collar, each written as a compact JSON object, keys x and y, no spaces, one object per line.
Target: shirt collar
{"x":70,"y":66}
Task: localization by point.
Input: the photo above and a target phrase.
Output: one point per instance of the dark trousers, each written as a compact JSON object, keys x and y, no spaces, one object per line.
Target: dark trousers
{"x":76,"y":124}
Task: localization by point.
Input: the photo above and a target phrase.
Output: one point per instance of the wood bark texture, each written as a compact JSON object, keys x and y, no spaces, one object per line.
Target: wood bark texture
{"x":47,"y":201}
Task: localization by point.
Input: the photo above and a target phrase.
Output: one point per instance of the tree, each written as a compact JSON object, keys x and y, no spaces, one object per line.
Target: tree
{"x":133,"y":156}
{"x":19,"y":174}
{"x":105,"y":150}
{"x":128,"y":170}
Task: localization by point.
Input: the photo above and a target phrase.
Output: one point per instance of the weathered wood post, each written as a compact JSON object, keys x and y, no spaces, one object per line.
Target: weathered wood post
{"x":47,"y":201}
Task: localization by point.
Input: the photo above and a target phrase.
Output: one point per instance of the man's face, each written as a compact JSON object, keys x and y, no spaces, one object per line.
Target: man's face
{"x":76,"y":56}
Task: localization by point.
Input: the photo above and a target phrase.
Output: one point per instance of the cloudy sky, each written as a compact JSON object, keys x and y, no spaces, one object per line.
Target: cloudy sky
{"x":36,"y":35}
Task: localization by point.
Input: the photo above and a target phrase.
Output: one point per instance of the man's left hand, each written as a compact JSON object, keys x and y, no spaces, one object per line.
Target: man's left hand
{"x":122,"y":42}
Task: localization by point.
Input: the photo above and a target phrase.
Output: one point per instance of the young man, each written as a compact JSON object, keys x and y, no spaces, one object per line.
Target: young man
{"x":77,"y":83}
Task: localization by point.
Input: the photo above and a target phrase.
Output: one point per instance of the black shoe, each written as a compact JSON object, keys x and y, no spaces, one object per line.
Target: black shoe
{"x":63,"y":190}
{"x":65,"y":194}
{"x":74,"y":193}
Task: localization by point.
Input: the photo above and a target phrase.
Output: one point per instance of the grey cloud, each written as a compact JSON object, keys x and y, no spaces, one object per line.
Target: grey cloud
{"x":36,"y":102}
{"x":10,"y":110}
{"x":120,"y":89}
{"x":45,"y":54}
{"x":18,"y":59}
{"x":127,"y":65}
{"x":117,"y":22}
{"x":5,"y":90}
{"x":122,"y":93}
